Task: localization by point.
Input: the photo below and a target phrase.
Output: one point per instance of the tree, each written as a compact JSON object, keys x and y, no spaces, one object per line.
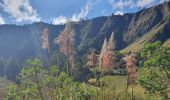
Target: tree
{"x":32,"y":77}
{"x":37,"y":83}
{"x":156,"y":62}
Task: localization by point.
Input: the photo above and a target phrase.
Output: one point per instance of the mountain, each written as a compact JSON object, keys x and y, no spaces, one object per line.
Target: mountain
{"x":131,"y":31}
{"x":155,"y":22}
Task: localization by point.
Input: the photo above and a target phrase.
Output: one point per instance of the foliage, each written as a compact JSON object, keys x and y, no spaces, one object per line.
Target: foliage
{"x":12,"y":95}
{"x":4,"y":83}
{"x":155,"y":75}
{"x":37,"y":83}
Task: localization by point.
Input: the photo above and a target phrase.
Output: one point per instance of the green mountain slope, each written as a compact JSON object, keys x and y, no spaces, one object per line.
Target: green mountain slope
{"x":154,"y":34}
{"x":131,"y":31}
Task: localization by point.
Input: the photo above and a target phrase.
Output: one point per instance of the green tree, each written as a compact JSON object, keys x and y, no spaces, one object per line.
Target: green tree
{"x":38,"y":83}
{"x":32,"y":77}
{"x":155,"y":75}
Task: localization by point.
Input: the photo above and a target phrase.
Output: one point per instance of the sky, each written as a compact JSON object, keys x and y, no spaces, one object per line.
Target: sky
{"x":62,"y":11}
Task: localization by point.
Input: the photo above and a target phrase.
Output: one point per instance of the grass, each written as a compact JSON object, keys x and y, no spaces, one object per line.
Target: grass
{"x":115,"y":88}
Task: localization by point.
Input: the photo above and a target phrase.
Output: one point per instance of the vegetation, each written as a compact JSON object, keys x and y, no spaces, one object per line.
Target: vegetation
{"x":4,"y":83}
{"x":155,"y":73}
{"x":62,"y":65}
{"x":150,"y":82}
{"x":36,"y":83}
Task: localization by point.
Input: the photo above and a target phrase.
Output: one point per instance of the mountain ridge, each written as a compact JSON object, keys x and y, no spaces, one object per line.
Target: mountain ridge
{"x":131,"y":31}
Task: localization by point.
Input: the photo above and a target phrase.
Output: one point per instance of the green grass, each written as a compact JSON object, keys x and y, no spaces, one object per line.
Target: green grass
{"x":117,"y":82}
{"x":115,"y":88}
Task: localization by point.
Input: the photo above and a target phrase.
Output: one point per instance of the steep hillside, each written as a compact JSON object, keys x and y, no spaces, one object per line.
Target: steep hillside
{"x":161,"y":32}
{"x":132,"y":31}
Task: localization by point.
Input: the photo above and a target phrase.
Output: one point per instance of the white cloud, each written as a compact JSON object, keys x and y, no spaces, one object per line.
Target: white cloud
{"x":83,"y":13}
{"x":145,"y":3}
{"x":76,"y":16}
{"x":121,"y":4}
{"x":60,"y":20}
{"x":2,"y":21}
{"x":20,"y":10}
{"x":118,"y":13}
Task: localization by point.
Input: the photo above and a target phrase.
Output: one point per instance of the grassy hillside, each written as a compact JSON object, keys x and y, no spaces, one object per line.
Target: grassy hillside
{"x":151,"y":36}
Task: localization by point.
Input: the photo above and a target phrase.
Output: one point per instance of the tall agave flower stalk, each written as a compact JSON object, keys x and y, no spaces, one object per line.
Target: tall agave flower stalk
{"x":45,"y":39}
{"x":45,"y":42}
{"x":65,"y":41}
{"x":131,"y":71}
{"x":131,"y":68}
{"x":92,"y":59}
{"x":107,"y":57}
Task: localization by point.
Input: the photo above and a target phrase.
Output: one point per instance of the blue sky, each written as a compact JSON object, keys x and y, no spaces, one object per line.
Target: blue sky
{"x":61,"y":11}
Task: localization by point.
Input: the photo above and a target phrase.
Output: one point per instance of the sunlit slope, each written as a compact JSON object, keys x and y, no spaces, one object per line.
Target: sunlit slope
{"x":156,"y":33}
{"x":167,"y":43}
